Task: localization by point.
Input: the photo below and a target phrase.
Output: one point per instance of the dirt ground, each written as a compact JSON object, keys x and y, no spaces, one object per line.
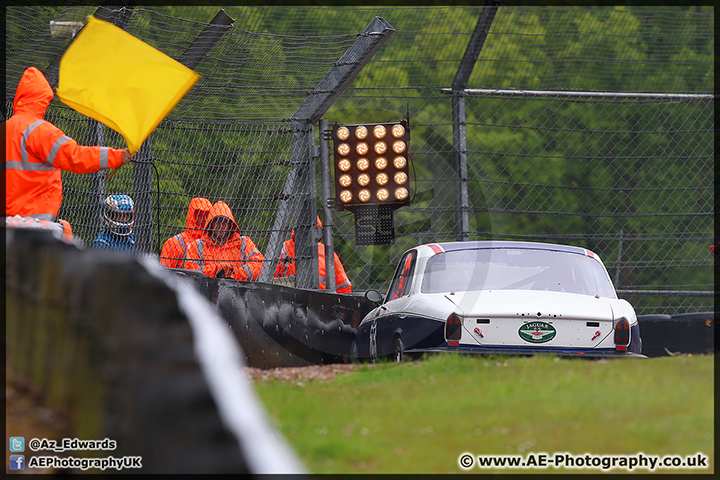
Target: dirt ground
{"x":296,"y":374}
{"x":26,"y":414}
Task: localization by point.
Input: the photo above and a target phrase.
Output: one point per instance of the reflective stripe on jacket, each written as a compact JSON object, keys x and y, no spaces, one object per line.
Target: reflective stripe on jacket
{"x":286,"y":267}
{"x":174,"y":250}
{"x":36,"y":151}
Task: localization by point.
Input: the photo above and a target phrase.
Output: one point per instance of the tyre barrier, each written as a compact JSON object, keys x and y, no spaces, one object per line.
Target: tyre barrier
{"x":282,"y":326}
{"x":669,"y":335}
{"x":128,"y":352}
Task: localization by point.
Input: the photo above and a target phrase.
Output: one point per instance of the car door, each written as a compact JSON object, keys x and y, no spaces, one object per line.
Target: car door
{"x":390,"y":315}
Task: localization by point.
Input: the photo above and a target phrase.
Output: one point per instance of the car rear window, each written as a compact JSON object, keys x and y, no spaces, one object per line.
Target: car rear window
{"x":516,"y":269}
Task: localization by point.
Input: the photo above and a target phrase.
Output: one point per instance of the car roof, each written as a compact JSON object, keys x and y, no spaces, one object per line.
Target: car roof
{"x":477,"y":244}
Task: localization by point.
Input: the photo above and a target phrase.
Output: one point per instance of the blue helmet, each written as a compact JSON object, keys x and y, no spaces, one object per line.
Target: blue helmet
{"x":118,"y":212}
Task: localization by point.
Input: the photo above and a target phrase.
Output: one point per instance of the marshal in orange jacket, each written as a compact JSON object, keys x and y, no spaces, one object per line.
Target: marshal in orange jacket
{"x":174,"y":250}
{"x":286,"y":267}
{"x":228,"y":254}
{"x":36,"y":151}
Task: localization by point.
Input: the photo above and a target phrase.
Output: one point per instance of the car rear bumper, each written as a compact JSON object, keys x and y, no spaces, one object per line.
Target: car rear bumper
{"x":564,"y":352}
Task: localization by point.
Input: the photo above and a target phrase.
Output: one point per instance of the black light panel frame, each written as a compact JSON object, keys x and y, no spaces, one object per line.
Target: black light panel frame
{"x":371,"y":165}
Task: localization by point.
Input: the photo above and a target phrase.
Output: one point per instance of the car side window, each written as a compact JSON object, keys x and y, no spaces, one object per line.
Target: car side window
{"x":403,"y":277}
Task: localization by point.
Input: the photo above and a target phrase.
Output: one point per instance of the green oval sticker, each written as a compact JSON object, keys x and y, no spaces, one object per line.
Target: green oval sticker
{"x":537,"y":332}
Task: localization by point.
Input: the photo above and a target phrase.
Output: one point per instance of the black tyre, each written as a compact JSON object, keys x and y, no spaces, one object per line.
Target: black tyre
{"x":399,"y":349}
{"x":354,"y":353}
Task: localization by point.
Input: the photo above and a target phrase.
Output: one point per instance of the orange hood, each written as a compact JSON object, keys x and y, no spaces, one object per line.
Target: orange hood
{"x":221,"y":209}
{"x":33,"y":94}
{"x":197,"y":204}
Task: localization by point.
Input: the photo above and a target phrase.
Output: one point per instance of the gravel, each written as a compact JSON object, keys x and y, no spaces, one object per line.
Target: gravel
{"x":298,"y":374}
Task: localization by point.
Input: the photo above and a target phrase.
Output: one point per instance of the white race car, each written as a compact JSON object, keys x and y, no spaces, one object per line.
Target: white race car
{"x":499,"y":297}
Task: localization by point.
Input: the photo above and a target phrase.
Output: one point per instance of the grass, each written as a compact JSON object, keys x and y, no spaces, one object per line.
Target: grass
{"x":419,"y":417}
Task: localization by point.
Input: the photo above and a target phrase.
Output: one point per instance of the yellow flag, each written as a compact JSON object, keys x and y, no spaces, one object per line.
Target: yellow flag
{"x":111,"y":76}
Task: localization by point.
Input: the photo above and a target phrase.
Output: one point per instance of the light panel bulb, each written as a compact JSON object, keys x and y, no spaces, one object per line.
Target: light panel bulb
{"x":343,"y":149}
{"x":344,"y":165}
{"x":343,"y":133}
{"x":345,"y":180}
{"x":379,"y":131}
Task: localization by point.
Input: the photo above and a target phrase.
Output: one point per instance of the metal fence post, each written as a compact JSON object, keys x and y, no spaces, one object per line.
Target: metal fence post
{"x":309,"y":113}
{"x":306,"y":254}
{"x":98,"y":180}
{"x":477,"y":40}
{"x":110,"y":12}
{"x":327,"y":211}
{"x":206,"y":40}
{"x":143,"y":198}
{"x":619,"y":261}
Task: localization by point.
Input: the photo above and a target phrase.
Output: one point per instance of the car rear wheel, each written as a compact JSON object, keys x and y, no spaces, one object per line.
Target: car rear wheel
{"x":354,"y":354}
{"x":399,"y":350}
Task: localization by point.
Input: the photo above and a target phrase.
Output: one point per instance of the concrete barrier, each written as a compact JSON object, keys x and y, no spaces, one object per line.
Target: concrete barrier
{"x":130,"y":353}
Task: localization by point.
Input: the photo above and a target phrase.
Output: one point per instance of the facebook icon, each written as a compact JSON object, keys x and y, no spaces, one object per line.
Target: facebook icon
{"x":17,"y":462}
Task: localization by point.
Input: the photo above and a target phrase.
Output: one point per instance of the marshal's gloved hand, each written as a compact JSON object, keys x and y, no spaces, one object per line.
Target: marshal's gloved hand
{"x":225,"y":270}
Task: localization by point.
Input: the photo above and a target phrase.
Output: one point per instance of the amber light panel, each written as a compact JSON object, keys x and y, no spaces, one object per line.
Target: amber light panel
{"x":371,"y":164}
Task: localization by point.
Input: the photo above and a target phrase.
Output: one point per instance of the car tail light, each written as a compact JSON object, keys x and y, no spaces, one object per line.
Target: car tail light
{"x":622,"y":334}
{"x":453,"y":329}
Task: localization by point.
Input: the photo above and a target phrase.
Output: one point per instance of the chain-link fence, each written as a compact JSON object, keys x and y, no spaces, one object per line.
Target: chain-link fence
{"x":587,"y":126}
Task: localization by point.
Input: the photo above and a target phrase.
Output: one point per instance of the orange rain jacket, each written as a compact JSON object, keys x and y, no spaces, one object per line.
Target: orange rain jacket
{"x":36,"y":151}
{"x":287,"y":268}
{"x":238,"y":257}
{"x":174,"y":250}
